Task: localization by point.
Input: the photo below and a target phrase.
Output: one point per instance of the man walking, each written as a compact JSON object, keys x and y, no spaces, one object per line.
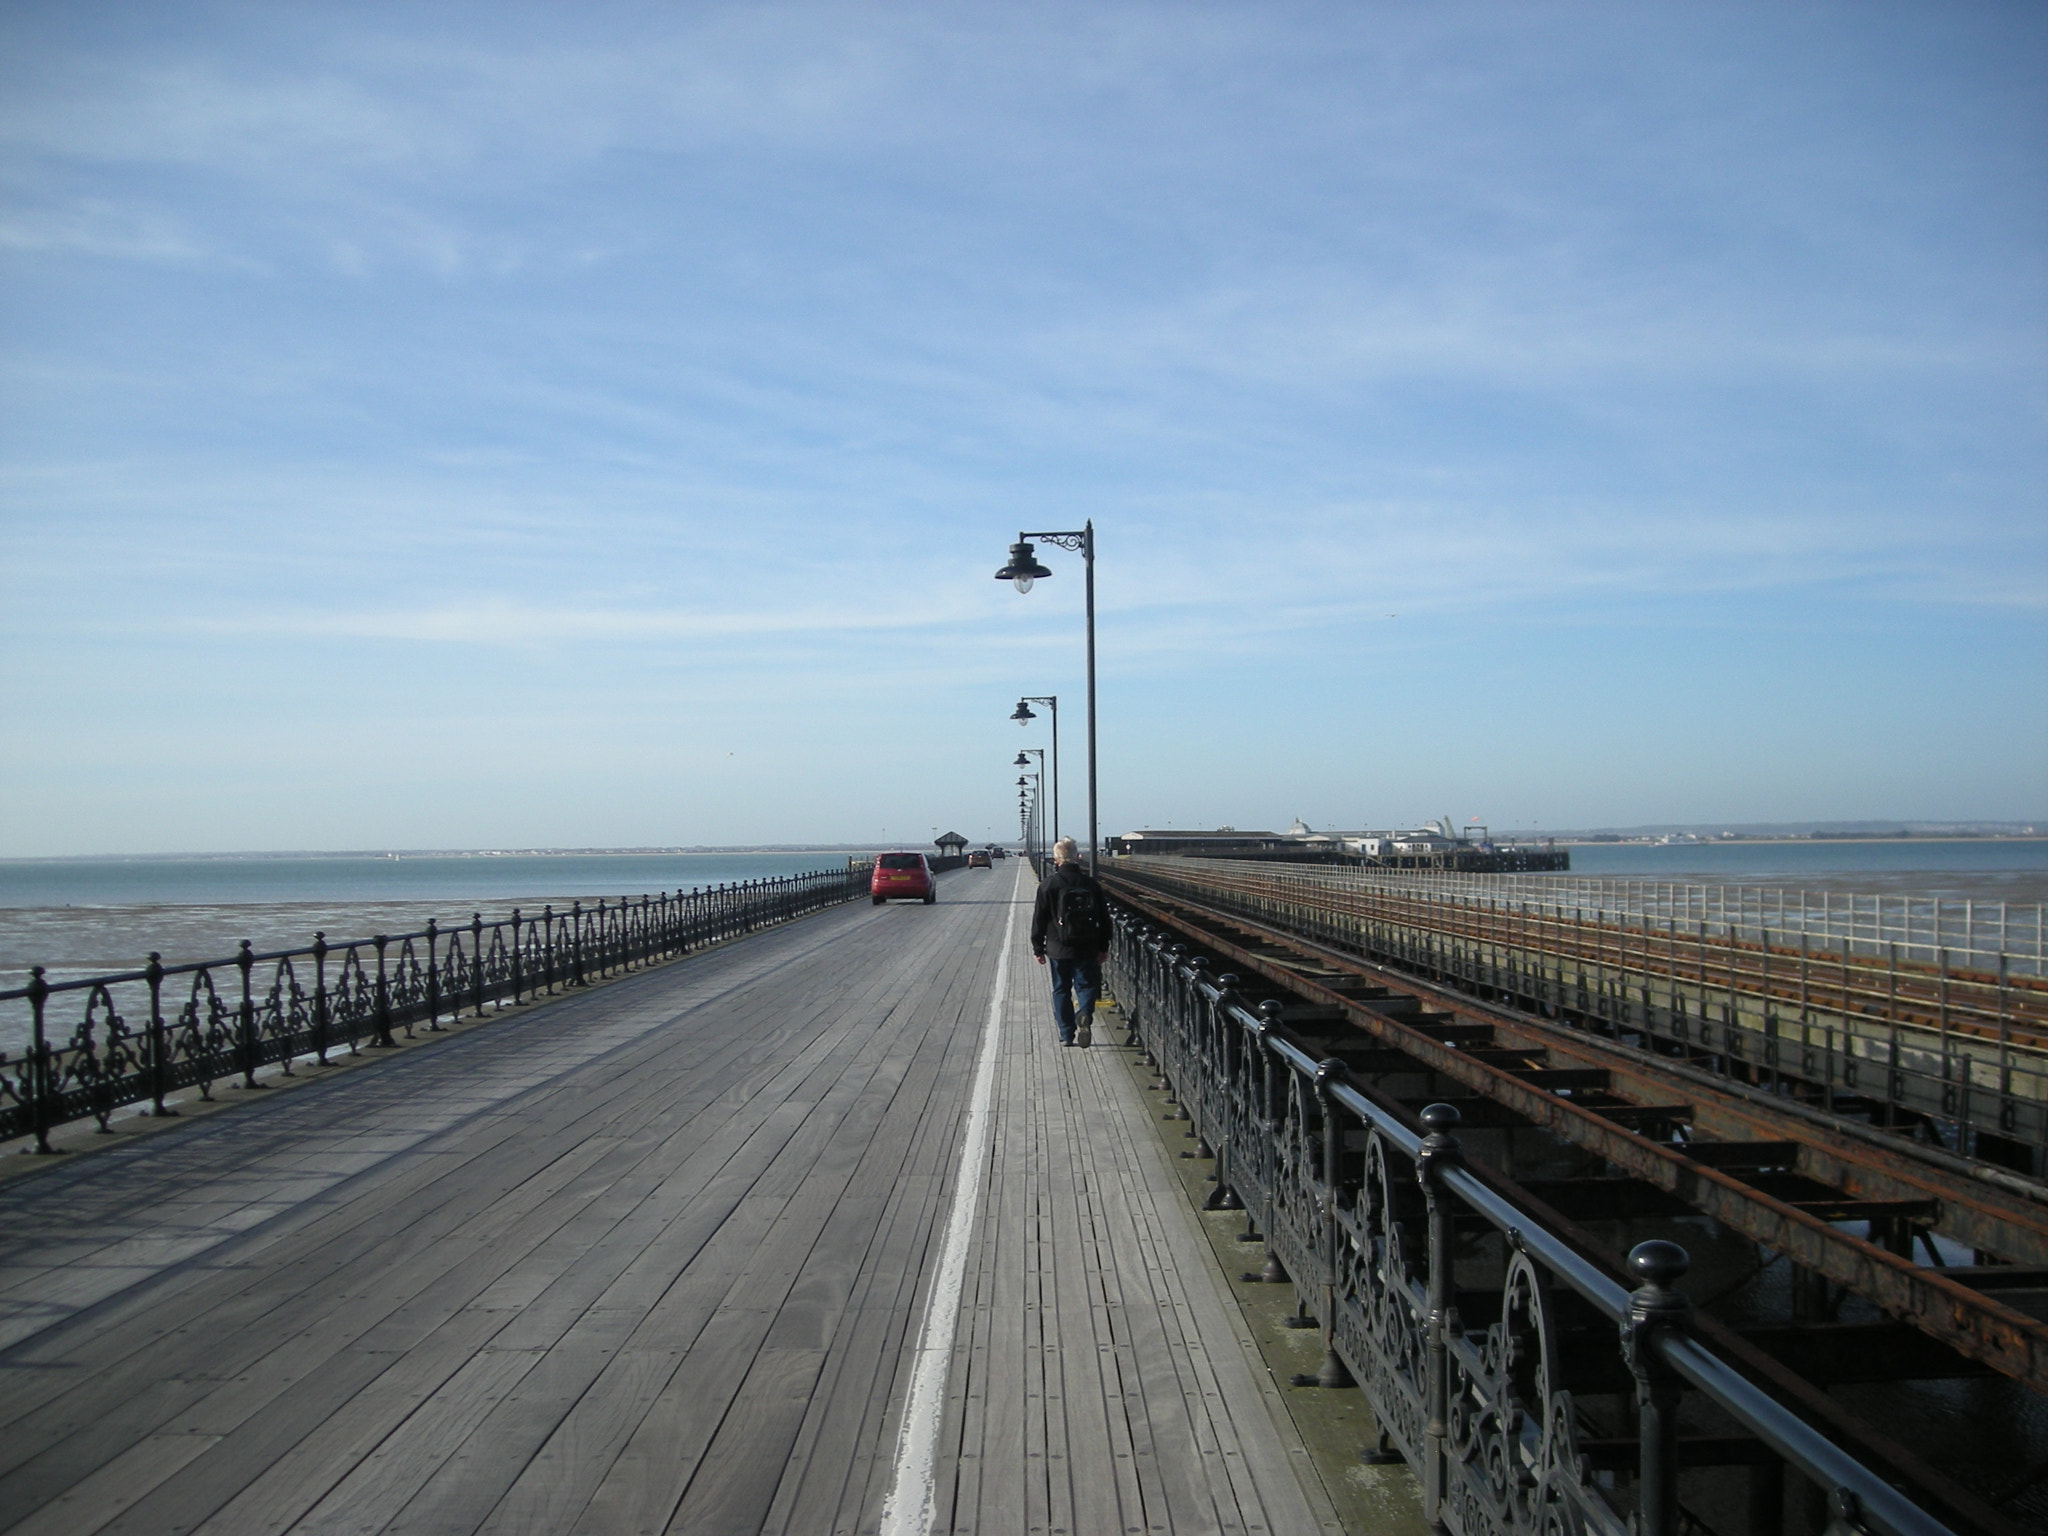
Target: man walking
{"x":1070,"y":933}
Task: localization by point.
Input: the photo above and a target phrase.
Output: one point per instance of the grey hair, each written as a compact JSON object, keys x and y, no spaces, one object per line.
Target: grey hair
{"x":1066,"y":851}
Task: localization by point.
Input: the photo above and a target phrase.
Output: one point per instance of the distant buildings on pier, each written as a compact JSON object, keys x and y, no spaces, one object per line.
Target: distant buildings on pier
{"x":1434,"y":845}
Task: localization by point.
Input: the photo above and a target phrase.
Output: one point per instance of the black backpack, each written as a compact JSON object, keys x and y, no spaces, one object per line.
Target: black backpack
{"x":1079,"y":922}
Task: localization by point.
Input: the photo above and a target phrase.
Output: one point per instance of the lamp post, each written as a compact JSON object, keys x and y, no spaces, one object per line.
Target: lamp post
{"x":1024,"y":761}
{"x":1027,"y":815}
{"x":1023,"y":569}
{"x":1024,"y":716}
{"x":1031,"y":799}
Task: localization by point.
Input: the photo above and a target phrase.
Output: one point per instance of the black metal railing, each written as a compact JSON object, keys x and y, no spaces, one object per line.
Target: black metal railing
{"x":1530,"y":1389}
{"x":138,"y":1036}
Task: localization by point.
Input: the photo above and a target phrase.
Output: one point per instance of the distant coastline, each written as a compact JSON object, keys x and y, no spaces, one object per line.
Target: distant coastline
{"x":1740,"y":839}
{"x":777,"y":849}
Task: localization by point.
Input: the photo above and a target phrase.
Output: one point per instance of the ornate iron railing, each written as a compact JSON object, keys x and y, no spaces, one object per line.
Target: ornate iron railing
{"x":141,"y":1035}
{"x":1489,"y":1350}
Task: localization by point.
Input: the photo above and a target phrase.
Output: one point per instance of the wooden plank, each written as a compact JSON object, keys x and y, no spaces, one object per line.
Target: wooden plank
{"x":648,"y":1478}
{"x":329,"y":1449}
{"x":736,"y":1482}
{"x":1085,"y":1351}
{"x":850,"y":1426}
{"x":113,"y":1488}
{"x":240,"y":1454}
{"x":551,"y":1491}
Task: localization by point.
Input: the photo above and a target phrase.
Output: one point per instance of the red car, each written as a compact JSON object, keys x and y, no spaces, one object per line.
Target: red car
{"x":899,"y":876}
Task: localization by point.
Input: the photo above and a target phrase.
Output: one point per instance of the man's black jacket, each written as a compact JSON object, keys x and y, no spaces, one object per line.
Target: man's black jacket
{"x":1042,"y":941}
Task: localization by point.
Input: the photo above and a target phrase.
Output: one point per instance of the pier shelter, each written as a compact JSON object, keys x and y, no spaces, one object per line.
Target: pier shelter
{"x":818,"y":1231}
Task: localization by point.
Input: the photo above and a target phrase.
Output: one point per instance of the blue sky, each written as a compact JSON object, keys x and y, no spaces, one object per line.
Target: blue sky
{"x":442,"y":426}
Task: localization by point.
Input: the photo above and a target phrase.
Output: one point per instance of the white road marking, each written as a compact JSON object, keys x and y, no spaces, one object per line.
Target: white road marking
{"x":907,"y":1511}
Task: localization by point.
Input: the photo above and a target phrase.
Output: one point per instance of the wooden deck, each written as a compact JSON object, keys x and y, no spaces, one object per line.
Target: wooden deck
{"x":653,"y":1258}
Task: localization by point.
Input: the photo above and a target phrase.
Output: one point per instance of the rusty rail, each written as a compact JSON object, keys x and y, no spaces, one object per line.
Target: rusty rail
{"x":1964,"y":1047}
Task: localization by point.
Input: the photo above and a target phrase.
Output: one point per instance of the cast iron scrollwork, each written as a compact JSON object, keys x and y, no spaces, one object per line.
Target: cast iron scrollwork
{"x":1514,"y":1460}
{"x":204,"y":1036}
{"x":1381,"y":1315}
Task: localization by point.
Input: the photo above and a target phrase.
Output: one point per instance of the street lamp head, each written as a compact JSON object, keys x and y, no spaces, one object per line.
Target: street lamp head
{"x":1024,"y":714}
{"x":1023,"y":568}
{"x":1022,"y":761}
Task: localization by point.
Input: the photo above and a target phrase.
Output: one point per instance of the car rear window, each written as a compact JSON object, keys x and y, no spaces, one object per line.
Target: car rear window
{"x":902,"y":861}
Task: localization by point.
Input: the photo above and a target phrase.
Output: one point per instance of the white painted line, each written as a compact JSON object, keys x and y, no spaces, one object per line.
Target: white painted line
{"x":907,"y":1511}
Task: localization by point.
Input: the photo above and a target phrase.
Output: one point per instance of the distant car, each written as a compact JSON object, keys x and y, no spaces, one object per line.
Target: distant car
{"x":902,"y":877}
{"x":979,"y":859}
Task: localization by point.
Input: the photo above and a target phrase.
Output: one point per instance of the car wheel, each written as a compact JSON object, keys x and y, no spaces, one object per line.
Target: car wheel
{"x":878,"y":900}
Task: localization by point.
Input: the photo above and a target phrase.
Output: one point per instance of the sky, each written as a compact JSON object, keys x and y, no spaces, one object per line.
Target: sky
{"x":448,"y":426}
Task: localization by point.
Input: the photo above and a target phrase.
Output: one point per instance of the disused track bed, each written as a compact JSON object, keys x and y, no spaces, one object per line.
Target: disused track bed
{"x":1873,"y":1029}
{"x":1984,"y":1005}
{"x":1631,"y":1143}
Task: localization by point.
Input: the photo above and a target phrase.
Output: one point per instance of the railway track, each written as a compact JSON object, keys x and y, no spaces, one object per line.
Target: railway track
{"x":1854,"y":1210}
{"x":1902,"y":1040}
{"x":1873,"y":981}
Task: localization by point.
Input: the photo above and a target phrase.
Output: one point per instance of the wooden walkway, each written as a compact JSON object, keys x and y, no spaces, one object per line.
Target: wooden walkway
{"x":653,"y":1258}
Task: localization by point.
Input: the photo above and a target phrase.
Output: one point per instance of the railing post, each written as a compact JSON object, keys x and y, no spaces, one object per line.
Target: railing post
{"x":245,"y":962}
{"x":1656,"y":1307}
{"x":433,"y":975}
{"x":41,"y":1086}
{"x":547,"y":944}
{"x":1334,"y":1372}
{"x":320,"y":1014}
{"x":384,"y":1040}
{"x":576,"y":941}
{"x":1439,"y":1152}
{"x":1259,"y":1207}
{"x":515,"y":956}
{"x":159,"y":1063}
{"x":476,"y":962}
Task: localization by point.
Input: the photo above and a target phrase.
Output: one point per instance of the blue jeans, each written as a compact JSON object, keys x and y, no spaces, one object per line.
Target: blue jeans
{"x":1075,"y":986}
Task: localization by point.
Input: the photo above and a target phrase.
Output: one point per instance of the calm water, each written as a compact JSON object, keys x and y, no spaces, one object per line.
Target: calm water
{"x":359,"y":878}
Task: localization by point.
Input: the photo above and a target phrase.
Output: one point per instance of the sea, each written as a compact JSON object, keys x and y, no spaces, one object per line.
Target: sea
{"x":1953,"y":869}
